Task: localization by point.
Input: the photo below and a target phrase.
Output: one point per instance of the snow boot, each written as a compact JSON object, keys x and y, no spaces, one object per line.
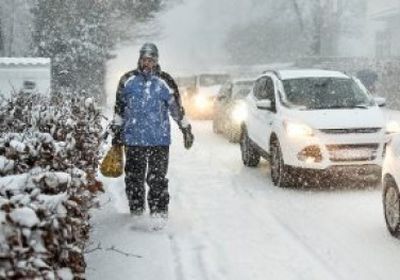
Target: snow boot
{"x":158,"y":220}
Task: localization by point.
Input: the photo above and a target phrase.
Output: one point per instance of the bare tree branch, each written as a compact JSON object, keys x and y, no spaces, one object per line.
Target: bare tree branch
{"x":98,"y":247}
{"x":112,"y":248}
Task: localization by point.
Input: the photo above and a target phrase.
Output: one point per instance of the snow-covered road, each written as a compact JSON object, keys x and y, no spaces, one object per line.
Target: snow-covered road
{"x":229,"y":222}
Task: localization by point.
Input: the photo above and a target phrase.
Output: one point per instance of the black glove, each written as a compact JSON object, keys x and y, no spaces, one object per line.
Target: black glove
{"x":187,"y":136}
{"x":116,"y":131}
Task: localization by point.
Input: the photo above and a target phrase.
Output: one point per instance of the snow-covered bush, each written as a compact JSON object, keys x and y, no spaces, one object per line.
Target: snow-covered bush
{"x":76,"y":36}
{"x":48,"y":161}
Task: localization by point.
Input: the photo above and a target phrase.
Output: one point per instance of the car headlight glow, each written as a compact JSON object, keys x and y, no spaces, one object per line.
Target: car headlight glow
{"x":239,"y":112}
{"x":201,"y":102}
{"x":392,"y":127}
{"x":294,"y":129}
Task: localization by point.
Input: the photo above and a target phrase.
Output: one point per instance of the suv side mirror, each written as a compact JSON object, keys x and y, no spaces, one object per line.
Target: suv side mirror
{"x":264,"y":104}
{"x":381,"y":101}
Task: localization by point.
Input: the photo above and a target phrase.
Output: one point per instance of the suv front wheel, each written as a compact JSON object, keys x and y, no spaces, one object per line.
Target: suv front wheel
{"x":250,"y":155}
{"x":391,"y":205}
{"x":280,"y":173}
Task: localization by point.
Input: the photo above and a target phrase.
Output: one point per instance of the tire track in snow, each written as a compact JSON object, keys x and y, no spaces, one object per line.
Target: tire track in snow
{"x":308,"y":245}
{"x":189,"y":259}
{"x":179,"y":275}
{"x":315,"y":254}
{"x":318,"y":256}
{"x":191,"y":249}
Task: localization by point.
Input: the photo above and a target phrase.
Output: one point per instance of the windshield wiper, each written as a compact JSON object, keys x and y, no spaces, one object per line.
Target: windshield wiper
{"x":356,"y":106}
{"x":361,"y":106}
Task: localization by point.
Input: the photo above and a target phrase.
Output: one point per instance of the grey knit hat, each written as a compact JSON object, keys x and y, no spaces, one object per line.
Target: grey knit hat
{"x":149,"y":50}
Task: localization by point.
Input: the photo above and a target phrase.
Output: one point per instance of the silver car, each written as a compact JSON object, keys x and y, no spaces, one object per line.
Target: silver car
{"x":229,"y":108}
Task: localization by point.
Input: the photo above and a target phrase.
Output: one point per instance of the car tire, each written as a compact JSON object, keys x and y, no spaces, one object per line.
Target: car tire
{"x":233,"y":135}
{"x":391,"y":206}
{"x":280,"y":173}
{"x":250,"y":155}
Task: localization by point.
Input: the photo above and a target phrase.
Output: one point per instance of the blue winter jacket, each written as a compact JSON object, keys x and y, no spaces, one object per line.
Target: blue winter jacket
{"x":142,"y":105}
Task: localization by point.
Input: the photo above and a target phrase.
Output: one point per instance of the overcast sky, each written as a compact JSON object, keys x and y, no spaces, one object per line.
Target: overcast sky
{"x":194,"y":32}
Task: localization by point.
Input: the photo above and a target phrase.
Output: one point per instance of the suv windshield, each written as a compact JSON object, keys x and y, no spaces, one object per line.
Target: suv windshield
{"x":207,"y":80}
{"x":241,"y":89}
{"x":324,"y":93}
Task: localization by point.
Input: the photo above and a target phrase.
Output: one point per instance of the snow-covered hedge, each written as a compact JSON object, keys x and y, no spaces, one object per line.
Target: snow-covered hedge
{"x":48,"y":161}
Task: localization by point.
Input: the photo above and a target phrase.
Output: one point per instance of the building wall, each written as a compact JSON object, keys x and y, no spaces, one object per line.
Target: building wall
{"x":14,"y":73}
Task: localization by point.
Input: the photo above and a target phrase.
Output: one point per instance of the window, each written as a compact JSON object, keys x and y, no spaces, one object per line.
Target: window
{"x":207,"y":80}
{"x":241,"y":89}
{"x":29,"y":84}
{"x":268,"y":93}
{"x":259,"y":86}
{"x":264,"y":89}
{"x":226,"y":90}
{"x":324,"y":93}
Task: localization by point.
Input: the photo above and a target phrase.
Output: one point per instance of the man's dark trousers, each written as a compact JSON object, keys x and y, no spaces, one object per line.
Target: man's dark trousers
{"x":154,"y":160}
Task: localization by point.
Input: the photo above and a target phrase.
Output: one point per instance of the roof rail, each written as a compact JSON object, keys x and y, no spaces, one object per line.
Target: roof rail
{"x":275,"y":72}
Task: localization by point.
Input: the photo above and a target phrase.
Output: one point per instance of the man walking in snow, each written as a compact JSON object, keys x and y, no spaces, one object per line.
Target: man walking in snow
{"x":141,"y":123}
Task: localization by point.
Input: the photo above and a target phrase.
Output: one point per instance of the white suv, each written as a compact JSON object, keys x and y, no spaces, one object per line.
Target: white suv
{"x":311,"y":119}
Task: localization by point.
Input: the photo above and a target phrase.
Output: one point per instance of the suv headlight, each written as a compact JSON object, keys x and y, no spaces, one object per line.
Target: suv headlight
{"x":294,"y":129}
{"x":239,"y":112}
{"x":392,"y":127}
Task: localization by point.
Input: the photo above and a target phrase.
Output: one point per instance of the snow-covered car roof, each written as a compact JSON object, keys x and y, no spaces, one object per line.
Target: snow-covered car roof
{"x":307,"y":73}
{"x":243,"y":80}
{"x":9,"y":61}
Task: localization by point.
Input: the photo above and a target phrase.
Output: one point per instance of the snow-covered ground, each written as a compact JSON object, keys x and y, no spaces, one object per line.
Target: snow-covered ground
{"x":229,"y":222}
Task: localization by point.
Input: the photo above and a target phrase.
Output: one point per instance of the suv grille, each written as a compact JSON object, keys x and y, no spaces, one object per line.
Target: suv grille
{"x":351,"y":130}
{"x":352,"y":152}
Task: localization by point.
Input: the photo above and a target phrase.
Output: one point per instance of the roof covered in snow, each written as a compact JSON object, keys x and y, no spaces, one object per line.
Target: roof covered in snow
{"x":10,"y":61}
{"x":386,"y":14}
{"x":383,"y":9}
{"x":244,"y":80}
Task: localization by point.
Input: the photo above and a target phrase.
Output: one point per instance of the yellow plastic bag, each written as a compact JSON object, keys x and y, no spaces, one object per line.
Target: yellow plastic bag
{"x":113,"y":163}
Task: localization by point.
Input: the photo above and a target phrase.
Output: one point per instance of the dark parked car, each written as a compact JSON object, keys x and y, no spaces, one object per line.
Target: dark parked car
{"x":229,"y":109}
